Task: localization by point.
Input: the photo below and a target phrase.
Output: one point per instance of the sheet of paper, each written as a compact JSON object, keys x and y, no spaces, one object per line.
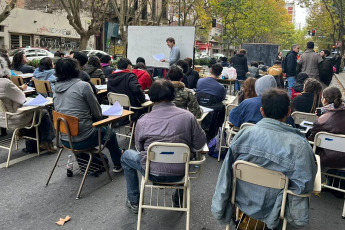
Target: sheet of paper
{"x":29,"y":89}
{"x":101,"y":87}
{"x":306,"y":124}
{"x":25,"y":75}
{"x":37,"y":101}
{"x":158,"y":57}
{"x":205,"y":109}
{"x":112,"y":110}
{"x":147,"y":97}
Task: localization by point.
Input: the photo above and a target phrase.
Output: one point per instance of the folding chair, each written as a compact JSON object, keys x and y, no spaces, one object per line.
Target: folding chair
{"x":335,"y":142}
{"x":256,"y":175}
{"x":226,"y":128}
{"x":8,"y":143}
{"x":173,"y":153}
{"x":17,"y":80}
{"x":43,"y":86}
{"x":298,"y":117}
{"x":96,"y":81}
{"x":124,"y":101}
{"x":69,"y":125}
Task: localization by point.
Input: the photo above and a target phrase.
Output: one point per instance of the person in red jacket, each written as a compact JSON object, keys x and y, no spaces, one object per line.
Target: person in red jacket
{"x":144,"y":77}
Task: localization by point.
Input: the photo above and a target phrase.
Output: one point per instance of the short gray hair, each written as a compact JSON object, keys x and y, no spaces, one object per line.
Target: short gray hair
{"x":294,"y":46}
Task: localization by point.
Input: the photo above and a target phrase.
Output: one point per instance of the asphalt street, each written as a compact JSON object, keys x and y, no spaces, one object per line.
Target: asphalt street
{"x":26,"y":203}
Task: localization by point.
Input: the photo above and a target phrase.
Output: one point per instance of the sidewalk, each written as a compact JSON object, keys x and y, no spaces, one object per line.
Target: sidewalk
{"x":340,"y":83}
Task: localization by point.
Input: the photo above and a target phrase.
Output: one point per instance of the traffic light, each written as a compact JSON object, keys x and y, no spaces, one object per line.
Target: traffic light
{"x":313,"y":33}
{"x":308,"y":32}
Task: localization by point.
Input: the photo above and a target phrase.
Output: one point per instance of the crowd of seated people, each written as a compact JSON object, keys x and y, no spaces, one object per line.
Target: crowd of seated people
{"x":174,"y":115}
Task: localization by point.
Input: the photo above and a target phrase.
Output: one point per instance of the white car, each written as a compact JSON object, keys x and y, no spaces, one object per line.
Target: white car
{"x":90,"y":53}
{"x":31,"y":53}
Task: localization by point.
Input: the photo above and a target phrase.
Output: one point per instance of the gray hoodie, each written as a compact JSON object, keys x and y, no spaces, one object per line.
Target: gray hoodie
{"x":76,"y":98}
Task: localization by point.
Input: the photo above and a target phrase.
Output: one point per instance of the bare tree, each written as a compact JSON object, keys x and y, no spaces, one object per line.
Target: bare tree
{"x":97,"y":10}
{"x":6,"y":12}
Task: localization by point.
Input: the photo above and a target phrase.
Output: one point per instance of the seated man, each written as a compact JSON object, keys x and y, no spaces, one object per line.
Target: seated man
{"x":277,"y":72}
{"x":249,"y":109}
{"x":262,"y":145}
{"x":211,"y":94}
{"x":125,"y":82}
{"x":74,"y":97}
{"x":184,"y":97}
{"x":166,"y":123}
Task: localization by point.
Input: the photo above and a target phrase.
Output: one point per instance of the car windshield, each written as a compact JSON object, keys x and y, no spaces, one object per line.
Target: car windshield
{"x":13,"y":52}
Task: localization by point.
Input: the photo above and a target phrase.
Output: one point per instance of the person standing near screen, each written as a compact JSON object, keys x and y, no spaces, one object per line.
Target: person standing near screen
{"x":174,"y":53}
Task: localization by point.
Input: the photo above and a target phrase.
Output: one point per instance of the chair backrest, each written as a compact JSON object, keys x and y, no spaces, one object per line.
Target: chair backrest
{"x":254,"y":174}
{"x":246,"y":124}
{"x":123,"y":99}
{"x":172,"y":153}
{"x":2,"y":107}
{"x":69,"y":125}
{"x":227,"y":111}
{"x":298,"y":117}
{"x":17,"y":80}
{"x":42,"y":86}
{"x":96,"y":81}
{"x":335,"y":142}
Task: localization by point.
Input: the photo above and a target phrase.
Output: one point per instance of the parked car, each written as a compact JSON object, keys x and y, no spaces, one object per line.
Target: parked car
{"x":218,"y":55}
{"x":90,"y":53}
{"x":31,"y":53}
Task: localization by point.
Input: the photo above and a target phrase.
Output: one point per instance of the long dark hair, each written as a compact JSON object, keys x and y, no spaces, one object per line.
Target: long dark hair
{"x":313,"y":86}
{"x":95,"y":62}
{"x":18,"y":59}
{"x":45,"y":64}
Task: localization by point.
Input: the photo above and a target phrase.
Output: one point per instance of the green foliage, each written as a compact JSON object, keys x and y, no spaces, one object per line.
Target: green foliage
{"x":35,"y":63}
{"x":202,"y":61}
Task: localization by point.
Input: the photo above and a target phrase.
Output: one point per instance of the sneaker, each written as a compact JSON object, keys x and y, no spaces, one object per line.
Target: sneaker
{"x":133,"y":207}
{"x":49,"y":146}
{"x":117,"y":169}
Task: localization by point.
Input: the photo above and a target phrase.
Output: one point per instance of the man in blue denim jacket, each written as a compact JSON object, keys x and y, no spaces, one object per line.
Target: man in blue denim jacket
{"x":273,"y":145}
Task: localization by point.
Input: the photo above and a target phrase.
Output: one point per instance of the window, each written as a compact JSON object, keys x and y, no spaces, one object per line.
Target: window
{"x":41,"y":52}
{"x":26,"y":40}
{"x":15,"y":41}
{"x":30,"y":53}
{"x":2,"y":28}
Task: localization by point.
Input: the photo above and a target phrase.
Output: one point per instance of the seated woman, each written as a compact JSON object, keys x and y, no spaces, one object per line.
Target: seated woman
{"x":75,"y":97}
{"x":184,"y":97}
{"x":297,"y":89}
{"x":13,"y":98}
{"x":248,"y":90}
{"x":144,"y":77}
{"x":332,"y":120}
{"x":309,"y":100}
{"x":105,"y":62}
{"x":94,"y":69}
{"x":20,"y":63}
{"x":46,"y":71}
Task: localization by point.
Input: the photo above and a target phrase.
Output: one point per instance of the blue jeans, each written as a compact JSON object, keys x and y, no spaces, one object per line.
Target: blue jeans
{"x":291,"y":82}
{"x":92,"y":142}
{"x":130,"y":162}
{"x":237,"y":83}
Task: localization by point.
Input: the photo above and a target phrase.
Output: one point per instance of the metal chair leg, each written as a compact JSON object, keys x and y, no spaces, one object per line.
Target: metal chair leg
{"x":85,"y":174}
{"x":131,"y":137}
{"x":188,"y":206}
{"x":141,"y":202}
{"x":11,"y":146}
{"x":56,"y":161}
{"x":220,"y":142}
{"x":105,"y":166}
{"x":37,"y":140}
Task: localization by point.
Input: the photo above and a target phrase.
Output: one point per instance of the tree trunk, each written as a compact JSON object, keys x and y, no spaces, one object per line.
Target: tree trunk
{"x":84,"y":39}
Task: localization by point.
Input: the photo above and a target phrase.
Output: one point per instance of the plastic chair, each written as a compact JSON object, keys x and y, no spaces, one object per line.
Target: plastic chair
{"x":17,"y":80}
{"x":335,"y":142}
{"x":96,"y":81}
{"x":173,"y":153}
{"x":43,"y":86}
{"x":254,"y":174}
{"x":69,"y":125}
{"x":124,"y":101}
{"x":298,"y":117}
{"x":8,"y":143}
{"x":226,"y":128}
